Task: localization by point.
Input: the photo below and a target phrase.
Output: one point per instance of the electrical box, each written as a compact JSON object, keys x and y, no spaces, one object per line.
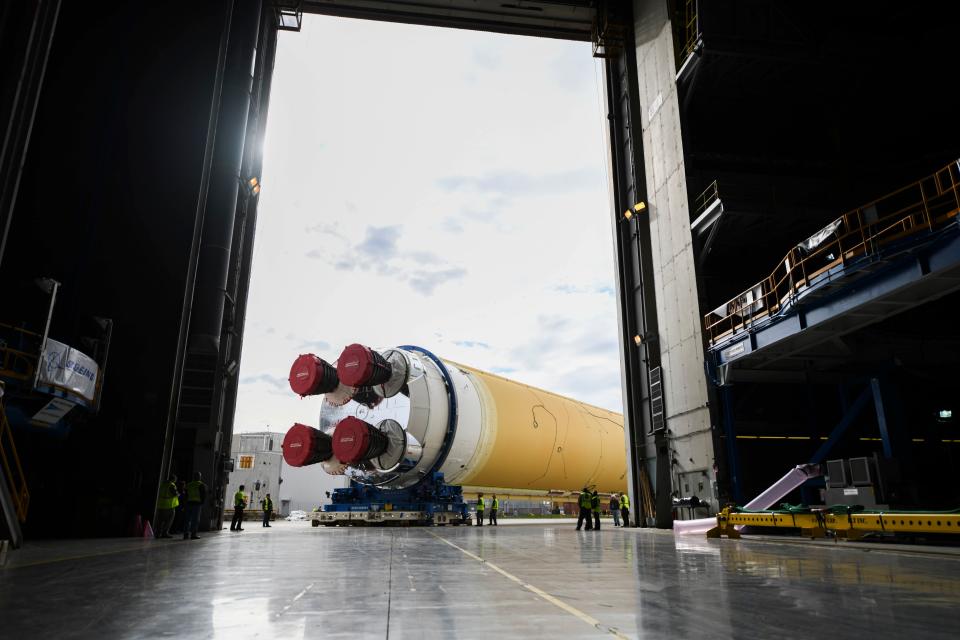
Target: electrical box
{"x":837,"y":475}
{"x":862,"y":473}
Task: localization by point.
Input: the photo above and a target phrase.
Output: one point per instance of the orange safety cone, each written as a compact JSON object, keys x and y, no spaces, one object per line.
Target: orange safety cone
{"x":147,"y":529}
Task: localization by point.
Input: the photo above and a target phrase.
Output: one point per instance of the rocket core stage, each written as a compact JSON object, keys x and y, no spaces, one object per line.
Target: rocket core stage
{"x":392,"y":418}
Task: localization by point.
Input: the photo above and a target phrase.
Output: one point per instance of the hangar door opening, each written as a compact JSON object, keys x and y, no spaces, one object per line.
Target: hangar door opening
{"x":443,"y":188}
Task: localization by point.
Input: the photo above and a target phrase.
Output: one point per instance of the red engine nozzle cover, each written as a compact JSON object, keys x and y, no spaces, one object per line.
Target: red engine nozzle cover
{"x":304,"y":445}
{"x":351,"y":440}
{"x":311,"y":375}
{"x":359,"y":366}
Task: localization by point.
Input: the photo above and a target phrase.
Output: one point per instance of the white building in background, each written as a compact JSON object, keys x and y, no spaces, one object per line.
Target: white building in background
{"x":258,"y":465}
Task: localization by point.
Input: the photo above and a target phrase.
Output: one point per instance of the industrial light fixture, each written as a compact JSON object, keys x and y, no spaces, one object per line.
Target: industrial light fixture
{"x":637,"y":208}
{"x":289,"y":14}
{"x":647,"y":337}
{"x":253,"y":185}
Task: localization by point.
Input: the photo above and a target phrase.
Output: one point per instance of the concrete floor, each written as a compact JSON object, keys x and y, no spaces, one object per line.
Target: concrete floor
{"x":529,"y":581}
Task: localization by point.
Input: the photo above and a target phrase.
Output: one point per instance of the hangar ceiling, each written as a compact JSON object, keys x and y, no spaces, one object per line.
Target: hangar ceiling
{"x":569,"y":19}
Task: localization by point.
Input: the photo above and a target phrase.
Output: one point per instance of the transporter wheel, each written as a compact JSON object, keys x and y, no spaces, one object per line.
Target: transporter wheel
{"x":328,"y":524}
{"x":314,"y":523}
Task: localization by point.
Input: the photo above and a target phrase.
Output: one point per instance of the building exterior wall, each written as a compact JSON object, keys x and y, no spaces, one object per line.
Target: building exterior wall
{"x":257,"y":461}
{"x":290,"y":488}
{"x":687,"y":411}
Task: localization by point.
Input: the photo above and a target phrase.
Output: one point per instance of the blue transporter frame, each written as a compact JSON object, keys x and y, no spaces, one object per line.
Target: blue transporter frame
{"x":430,"y":501}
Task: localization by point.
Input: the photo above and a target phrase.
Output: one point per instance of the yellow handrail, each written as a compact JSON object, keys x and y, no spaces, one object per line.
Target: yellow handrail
{"x":934,"y":202}
{"x":690,"y":31}
{"x":709,"y":195}
{"x":20,"y":330}
{"x":12,"y":467}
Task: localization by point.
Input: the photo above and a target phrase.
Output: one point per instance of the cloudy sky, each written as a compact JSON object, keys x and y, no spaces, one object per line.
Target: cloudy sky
{"x":435,"y":187}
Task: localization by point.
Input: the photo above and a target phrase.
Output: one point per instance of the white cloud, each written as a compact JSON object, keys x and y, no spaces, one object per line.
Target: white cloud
{"x":435,"y":187}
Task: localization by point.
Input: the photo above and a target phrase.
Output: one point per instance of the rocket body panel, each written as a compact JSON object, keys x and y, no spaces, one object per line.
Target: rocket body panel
{"x":471,"y":427}
{"x":535,"y":439}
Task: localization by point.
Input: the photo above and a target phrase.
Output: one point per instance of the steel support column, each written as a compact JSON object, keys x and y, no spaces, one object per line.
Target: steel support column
{"x":733,"y":454}
{"x":636,"y":297}
{"x":238,"y":284}
{"x":894,"y":430}
{"x":26,"y":35}
{"x":841,"y":427}
{"x":173,"y":408}
{"x":881,"y":417}
{"x":226,"y":180}
{"x":194,"y":439}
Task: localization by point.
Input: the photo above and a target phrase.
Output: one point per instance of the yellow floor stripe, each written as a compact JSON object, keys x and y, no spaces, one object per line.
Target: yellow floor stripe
{"x":585,"y":617}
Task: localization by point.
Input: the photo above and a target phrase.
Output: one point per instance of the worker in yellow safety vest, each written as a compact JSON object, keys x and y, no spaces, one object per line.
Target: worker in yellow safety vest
{"x":480,"y":505}
{"x":167,"y":502}
{"x":196,"y":495}
{"x":494,"y":507}
{"x":267,"y":505}
{"x":595,"y":507}
{"x":239,"y":504}
{"x":625,"y":509}
{"x":584,"y":502}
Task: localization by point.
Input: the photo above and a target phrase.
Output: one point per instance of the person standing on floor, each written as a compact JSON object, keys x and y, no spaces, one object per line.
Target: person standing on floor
{"x":480,"y":505}
{"x":584,"y":503}
{"x":595,"y":507}
{"x":494,"y":507}
{"x":239,"y":504}
{"x":167,"y":502}
{"x":196,"y":496}
{"x":267,"y":505}
{"x":615,"y":509}
{"x":625,"y":509}
{"x":178,"y":514}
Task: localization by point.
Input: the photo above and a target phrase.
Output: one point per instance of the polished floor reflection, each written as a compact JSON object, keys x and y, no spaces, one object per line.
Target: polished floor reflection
{"x":294,"y":581}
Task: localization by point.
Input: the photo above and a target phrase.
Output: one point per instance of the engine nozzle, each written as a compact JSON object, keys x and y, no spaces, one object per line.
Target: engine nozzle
{"x":305,"y":445}
{"x":310,"y":376}
{"x":360,"y":366}
{"x":355,"y":441}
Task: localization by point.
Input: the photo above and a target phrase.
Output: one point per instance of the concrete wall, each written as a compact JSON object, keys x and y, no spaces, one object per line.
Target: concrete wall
{"x":678,"y":313}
